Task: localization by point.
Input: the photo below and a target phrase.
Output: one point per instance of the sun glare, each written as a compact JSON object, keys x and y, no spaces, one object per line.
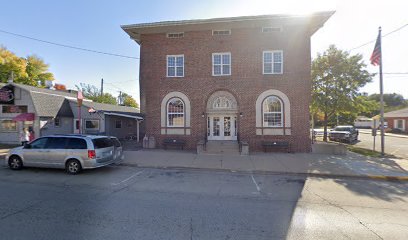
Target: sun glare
{"x":301,"y":7}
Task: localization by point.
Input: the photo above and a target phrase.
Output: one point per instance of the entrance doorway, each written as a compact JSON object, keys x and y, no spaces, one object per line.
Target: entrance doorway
{"x":222,"y":127}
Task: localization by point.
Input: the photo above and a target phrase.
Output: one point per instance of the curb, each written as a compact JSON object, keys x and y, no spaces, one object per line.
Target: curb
{"x":387,"y":134}
{"x":322,"y":175}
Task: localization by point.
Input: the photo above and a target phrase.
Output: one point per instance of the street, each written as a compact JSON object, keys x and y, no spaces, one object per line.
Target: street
{"x":397,"y":146}
{"x":122,"y":202}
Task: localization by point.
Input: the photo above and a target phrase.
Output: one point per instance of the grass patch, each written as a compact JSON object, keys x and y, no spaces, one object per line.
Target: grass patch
{"x":368,"y":152}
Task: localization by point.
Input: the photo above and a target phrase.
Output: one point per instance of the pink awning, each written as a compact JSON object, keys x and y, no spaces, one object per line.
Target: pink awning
{"x":24,"y":117}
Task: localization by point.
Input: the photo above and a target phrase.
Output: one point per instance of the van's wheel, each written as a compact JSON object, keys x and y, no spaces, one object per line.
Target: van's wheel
{"x":73,"y":166}
{"x":15,"y":163}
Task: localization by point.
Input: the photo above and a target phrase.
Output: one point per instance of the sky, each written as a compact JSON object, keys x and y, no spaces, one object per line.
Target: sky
{"x":96,"y":24}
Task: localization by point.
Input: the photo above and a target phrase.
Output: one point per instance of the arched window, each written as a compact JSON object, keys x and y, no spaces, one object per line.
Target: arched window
{"x":272,"y":111}
{"x":175,"y":113}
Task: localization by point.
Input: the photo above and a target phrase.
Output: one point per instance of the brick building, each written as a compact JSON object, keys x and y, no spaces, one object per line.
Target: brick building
{"x":237,"y":79}
{"x":398,"y":119}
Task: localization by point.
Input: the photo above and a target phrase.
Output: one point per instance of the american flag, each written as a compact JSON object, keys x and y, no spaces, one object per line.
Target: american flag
{"x":376,"y":55}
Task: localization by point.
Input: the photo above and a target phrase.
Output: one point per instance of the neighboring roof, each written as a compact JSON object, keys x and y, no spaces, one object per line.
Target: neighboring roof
{"x":47,"y":105}
{"x":52,"y":103}
{"x":398,"y":113}
{"x":110,"y":109}
{"x":315,"y":20}
{"x":45,"y":90}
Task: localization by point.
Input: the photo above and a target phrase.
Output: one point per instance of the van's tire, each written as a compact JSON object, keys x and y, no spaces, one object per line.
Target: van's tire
{"x":15,"y":163}
{"x":73,"y":166}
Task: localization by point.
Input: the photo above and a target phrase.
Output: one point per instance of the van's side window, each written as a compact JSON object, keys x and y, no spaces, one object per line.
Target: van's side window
{"x":76,"y":143}
{"x":39,"y":143}
{"x":56,"y":143}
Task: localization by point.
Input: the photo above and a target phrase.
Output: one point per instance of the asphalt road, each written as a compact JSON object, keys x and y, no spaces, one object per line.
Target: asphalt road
{"x":393,"y":145}
{"x":133,"y":203}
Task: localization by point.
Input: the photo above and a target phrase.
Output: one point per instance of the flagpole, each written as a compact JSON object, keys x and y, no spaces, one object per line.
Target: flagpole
{"x":381,"y":98}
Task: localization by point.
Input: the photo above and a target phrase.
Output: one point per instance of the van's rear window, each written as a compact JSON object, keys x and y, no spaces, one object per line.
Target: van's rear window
{"x":102,"y":143}
{"x":116,"y":142}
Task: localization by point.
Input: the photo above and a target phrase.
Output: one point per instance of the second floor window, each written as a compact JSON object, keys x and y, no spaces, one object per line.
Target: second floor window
{"x":221,"y":64}
{"x":175,"y":66}
{"x":272,"y":62}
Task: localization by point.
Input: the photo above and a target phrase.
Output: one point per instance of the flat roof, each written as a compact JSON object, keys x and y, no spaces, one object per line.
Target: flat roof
{"x":315,"y":20}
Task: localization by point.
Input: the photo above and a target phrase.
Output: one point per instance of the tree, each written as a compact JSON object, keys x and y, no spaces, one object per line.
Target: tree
{"x":129,"y":101}
{"x":93,"y":93}
{"x":37,"y":71}
{"x":390,"y":99}
{"x":28,"y":71}
{"x":9,"y":62}
{"x":337,"y":77}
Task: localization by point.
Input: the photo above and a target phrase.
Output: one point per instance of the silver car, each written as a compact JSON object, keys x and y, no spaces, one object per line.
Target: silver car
{"x":72,"y":152}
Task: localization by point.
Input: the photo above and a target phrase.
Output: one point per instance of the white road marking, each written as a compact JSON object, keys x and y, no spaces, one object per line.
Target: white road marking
{"x":127,"y":179}
{"x":256,"y":184}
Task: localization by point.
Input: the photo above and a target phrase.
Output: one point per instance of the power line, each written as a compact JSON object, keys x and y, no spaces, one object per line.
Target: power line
{"x":372,"y":41}
{"x":118,"y":88}
{"x":69,"y":46}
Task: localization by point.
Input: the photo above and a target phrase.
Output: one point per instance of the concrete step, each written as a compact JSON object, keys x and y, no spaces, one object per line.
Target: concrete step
{"x":222,"y":147}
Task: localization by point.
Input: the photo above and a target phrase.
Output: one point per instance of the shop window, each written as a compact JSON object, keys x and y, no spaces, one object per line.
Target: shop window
{"x":8,"y":126}
{"x":92,"y":124}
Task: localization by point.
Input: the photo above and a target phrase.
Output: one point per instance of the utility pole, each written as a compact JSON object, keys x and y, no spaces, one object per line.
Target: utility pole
{"x":102,"y":87}
{"x":120,"y":98}
{"x":11,"y":78}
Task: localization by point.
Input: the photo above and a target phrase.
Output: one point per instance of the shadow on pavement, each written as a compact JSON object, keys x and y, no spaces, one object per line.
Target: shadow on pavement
{"x":378,"y":189}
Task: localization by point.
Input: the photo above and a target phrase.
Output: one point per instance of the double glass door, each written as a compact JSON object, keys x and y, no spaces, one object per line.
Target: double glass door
{"x":222,"y":127}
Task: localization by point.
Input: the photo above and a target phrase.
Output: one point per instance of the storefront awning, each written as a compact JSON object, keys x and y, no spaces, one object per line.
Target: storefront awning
{"x":24,"y":117}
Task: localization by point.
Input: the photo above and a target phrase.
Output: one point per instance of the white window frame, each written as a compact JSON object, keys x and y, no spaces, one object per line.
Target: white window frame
{"x":281,"y":112}
{"x":167,"y":113}
{"x":272,"y":63}
{"x":93,"y":120}
{"x":175,"y":66}
{"x":222,"y":64}
{"x":396,"y":124}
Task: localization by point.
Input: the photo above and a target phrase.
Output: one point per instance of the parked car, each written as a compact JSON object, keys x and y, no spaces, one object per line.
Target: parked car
{"x":72,"y":152}
{"x":347,"y":134}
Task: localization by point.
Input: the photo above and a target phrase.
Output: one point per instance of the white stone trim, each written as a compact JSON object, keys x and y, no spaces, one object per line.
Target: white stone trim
{"x":286,"y":108}
{"x":187,"y":108}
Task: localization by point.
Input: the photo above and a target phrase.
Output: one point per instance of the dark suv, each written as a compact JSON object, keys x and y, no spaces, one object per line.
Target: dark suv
{"x":347,"y":134}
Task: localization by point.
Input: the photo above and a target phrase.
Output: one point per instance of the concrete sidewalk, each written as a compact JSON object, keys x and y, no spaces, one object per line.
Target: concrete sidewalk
{"x":351,"y":165}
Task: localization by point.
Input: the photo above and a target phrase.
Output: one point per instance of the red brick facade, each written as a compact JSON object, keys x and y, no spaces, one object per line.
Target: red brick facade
{"x":246,"y":82}
{"x":392,"y":121}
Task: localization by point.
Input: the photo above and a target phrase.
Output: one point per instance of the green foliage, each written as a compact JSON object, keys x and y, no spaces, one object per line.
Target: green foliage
{"x":93,"y":93}
{"x":9,"y":62}
{"x":129,"y":101}
{"x":337,"y":77}
{"x":26,"y":71}
{"x":37,"y":70}
{"x":392,"y":102}
{"x":390,"y":99}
